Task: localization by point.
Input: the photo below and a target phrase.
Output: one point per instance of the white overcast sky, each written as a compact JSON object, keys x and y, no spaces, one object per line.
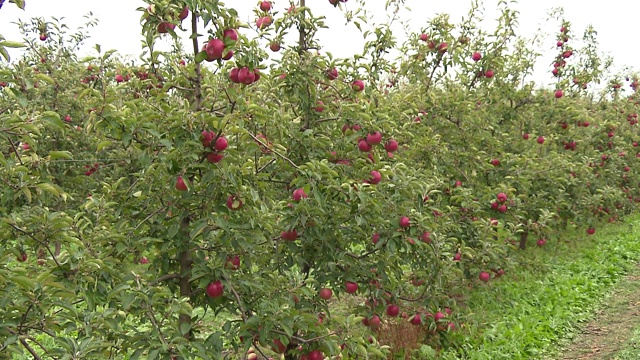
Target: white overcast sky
{"x":615,"y":20}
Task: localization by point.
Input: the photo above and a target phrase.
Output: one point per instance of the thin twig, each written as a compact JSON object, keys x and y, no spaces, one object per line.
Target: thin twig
{"x":274,"y":151}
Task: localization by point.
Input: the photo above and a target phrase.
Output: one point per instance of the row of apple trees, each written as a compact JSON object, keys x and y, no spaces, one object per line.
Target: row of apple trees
{"x":245,"y":195}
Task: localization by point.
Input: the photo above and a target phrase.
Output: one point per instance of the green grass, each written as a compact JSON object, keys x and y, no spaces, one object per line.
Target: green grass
{"x":525,"y":314}
{"x":631,"y":349}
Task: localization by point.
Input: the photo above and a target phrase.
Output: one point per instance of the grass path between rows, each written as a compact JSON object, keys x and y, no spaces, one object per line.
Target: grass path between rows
{"x":576,"y":298}
{"x":614,"y":332}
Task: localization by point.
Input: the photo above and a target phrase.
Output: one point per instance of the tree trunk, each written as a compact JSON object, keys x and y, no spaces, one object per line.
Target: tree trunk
{"x":523,"y":239}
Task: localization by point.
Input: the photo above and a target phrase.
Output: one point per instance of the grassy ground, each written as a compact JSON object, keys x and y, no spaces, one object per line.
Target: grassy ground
{"x":545,"y":302}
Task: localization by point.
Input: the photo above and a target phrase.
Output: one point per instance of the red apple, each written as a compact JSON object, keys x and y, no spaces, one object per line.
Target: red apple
{"x":364,"y":146}
{"x":214,"y":157}
{"x":476,"y":56}
{"x":332,"y":74}
{"x":215,"y":49}
{"x":221,"y":143}
{"x":540,"y":140}
{"x":299,"y":194}
{"x":215,"y":289}
{"x":375,"y":238}
{"x":375,"y":177}
{"x":22,"y":257}
{"x":274,"y":46}
{"x":488,"y":74}
{"x":325,"y":293}
{"x":180,"y":184}
{"x":350,"y":287}
{"x":525,"y":136}
{"x":233,"y":75}
{"x":234,"y":203}
{"x":265,"y":6}
{"x":404,"y":222}
{"x":233,"y":262}
{"x":541,"y":242}
{"x":393,"y":310}
{"x":374,"y":138}
{"x":278,"y":347}
{"x":495,"y":162}
{"x":184,"y":13}
{"x":289,"y":235}
{"x":558,"y":94}
{"x":315,"y":355}
{"x":119,"y":78}
{"x":391,"y":146}
{"x":416,"y":320}
{"x":165,"y":26}
{"x":501,"y":197}
{"x":484,"y":276}
{"x":357,"y":85}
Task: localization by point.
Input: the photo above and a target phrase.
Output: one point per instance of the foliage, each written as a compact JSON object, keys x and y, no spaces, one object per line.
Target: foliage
{"x":197,"y":207}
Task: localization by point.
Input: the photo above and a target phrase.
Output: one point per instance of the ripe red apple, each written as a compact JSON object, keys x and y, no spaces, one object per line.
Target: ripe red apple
{"x":350,"y":287}
{"x":525,"y":136}
{"x":457,"y":257}
{"x":374,"y":138}
{"x":233,"y":75}
{"x":591,"y":231}
{"x":43,"y":37}
{"x":315,"y":355}
{"x":233,"y":262}
{"x":558,"y":94}
{"x":484,"y":276}
{"x":289,"y":235}
{"x":165,"y":26}
{"x":443,"y":47}
{"x":299,"y":194}
{"x":143,"y":260}
{"x":278,"y":347}
{"x":424,"y":37}
{"x":325,"y":293}
{"x":393,"y":310}
{"x":180,"y":184}
{"x":364,"y":146}
{"x":404,"y":222}
{"x":234,"y":203}
{"x":501,"y":197}
{"x":274,"y":46}
{"x":184,"y":13}
{"x":541,"y":242}
{"x":416,"y":320}
{"x":22,"y":257}
{"x":119,"y":78}
{"x":265,"y":6}
{"x":230,"y":34}
{"x":319,"y":106}
{"x":502,"y":208}
{"x":215,"y":289}
{"x":221,"y":143}
{"x":476,"y":56}
{"x":263,"y":22}
{"x":375,"y":177}
{"x":540,"y":140}
{"x":215,"y":49}
{"x":488,"y":74}
{"x":426,"y":237}
{"x":332,"y":74}
{"x":214,"y":157}
{"x":246,"y":76}
{"x":375,"y":238}
{"x":495,"y":162}
{"x":374,"y":321}
{"x":391,"y":146}
{"x":357,"y":85}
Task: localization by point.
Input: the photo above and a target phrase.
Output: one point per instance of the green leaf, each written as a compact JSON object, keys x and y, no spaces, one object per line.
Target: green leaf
{"x":55,"y":155}
{"x":103,"y":144}
{"x":52,"y":118}
{"x":11,"y":44}
{"x":202,"y":55}
{"x":49,"y":188}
